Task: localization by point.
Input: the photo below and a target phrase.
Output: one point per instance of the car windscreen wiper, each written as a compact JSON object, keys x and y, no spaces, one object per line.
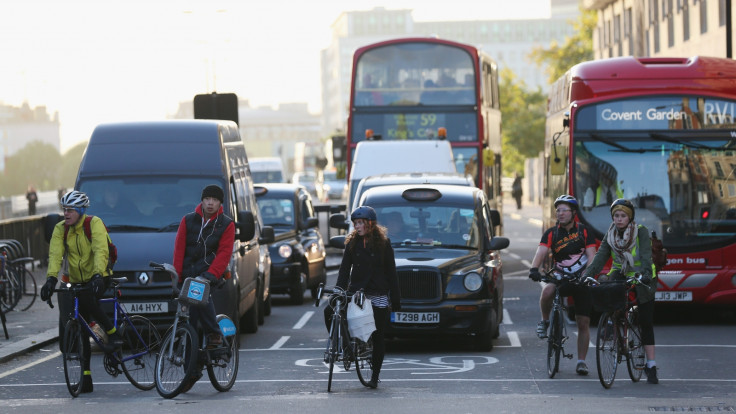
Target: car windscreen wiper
{"x":169,"y":227}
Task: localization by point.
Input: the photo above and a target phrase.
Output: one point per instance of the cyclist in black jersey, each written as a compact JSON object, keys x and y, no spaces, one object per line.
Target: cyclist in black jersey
{"x":572,"y":247}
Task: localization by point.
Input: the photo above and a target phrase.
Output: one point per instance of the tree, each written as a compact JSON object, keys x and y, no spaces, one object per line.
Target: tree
{"x":70,"y":165}
{"x":36,"y":164}
{"x":577,"y":48}
{"x":523,"y":122}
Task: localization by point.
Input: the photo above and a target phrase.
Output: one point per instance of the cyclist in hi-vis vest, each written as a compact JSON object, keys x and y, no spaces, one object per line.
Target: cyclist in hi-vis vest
{"x":630,"y":248}
{"x":573,"y":247}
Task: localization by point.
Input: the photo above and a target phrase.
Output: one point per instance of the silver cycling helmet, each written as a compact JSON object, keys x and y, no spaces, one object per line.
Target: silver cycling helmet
{"x":568,"y":199}
{"x":75,"y":199}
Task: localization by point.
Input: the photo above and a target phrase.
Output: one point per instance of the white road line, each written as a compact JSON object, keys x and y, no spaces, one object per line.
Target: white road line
{"x":279,"y":343}
{"x":514,"y":339}
{"x":526,"y":263}
{"x":44,"y":359}
{"x":303,"y":321}
{"x":507,"y":318}
{"x":514,"y":256}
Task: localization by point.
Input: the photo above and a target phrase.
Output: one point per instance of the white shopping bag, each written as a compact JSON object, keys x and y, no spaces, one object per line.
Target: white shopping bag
{"x":360,"y":320}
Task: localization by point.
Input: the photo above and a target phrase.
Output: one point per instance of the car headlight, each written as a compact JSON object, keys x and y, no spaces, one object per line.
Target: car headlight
{"x":285,"y":251}
{"x":473,"y":281}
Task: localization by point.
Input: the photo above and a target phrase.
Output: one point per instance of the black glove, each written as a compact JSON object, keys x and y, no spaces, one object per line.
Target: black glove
{"x":535,"y":275}
{"x":98,"y":285}
{"x":210,"y":277}
{"x":48,"y":288}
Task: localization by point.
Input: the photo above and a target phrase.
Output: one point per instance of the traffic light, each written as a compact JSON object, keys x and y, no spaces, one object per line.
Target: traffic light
{"x":216,"y":106}
{"x":704,"y":215}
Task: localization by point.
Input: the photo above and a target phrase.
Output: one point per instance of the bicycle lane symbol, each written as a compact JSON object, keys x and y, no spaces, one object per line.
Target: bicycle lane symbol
{"x":434,"y":366}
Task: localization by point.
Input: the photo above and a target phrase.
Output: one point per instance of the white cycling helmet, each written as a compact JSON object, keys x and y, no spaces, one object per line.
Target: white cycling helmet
{"x":75,"y":199}
{"x":568,"y":199}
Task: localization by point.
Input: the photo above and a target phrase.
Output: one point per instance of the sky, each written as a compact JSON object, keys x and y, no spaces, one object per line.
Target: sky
{"x":98,"y":61}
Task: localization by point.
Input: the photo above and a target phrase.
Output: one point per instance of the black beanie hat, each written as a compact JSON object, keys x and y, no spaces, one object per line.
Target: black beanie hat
{"x":214,"y":191}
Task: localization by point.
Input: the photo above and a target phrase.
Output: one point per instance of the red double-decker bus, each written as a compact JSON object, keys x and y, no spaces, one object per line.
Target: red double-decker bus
{"x":660,"y":132}
{"x":420,"y":88}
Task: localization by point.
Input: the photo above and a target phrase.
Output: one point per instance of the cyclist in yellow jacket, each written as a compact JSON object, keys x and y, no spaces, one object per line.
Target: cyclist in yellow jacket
{"x":87,"y":263}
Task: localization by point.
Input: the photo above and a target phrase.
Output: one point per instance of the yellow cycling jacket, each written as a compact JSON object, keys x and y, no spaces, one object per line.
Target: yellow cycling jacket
{"x":85,"y":258}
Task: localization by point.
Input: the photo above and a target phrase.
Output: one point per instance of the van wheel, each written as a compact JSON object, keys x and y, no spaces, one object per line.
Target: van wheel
{"x":249,"y":321}
{"x":296,"y":293}
{"x":267,"y":306}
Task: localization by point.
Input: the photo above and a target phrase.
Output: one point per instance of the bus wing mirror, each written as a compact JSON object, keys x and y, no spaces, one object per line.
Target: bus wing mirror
{"x":558,"y":160}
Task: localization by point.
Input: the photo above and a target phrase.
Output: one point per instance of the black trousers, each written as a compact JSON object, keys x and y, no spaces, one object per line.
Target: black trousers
{"x":89,"y":308}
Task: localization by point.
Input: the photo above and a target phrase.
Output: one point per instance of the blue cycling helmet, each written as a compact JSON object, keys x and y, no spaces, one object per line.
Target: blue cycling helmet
{"x":363,"y":212}
{"x":567,"y":199}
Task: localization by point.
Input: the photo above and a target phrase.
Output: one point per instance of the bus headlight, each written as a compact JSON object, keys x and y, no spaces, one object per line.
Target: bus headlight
{"x":473,"y":281}
{"x":285,"y":251}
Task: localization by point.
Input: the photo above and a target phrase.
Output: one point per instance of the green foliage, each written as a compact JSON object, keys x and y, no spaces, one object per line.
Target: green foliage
{"x":576,"y":49}
{"x":40,"y":165}
{"x":524,"y":114}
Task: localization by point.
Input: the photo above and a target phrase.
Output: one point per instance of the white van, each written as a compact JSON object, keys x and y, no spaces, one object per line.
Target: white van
{"x":384,"y":157}
{"x":267,"y":170}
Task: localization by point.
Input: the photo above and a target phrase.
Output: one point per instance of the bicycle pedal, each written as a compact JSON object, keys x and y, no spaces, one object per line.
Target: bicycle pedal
{"x":568,"y":356}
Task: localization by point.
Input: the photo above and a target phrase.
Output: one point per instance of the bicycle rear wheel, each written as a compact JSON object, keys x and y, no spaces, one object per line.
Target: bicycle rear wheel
{"x":72,"y":354}
{"x":364,"y":360}
{"x":606,"y":349}
{"x":141,"y":343}
{"x":222,"y":367}
{"x":27,"y":288}
{"x":554,"y":343}
{"x":636,"y":359}
{"x":176,"y":360}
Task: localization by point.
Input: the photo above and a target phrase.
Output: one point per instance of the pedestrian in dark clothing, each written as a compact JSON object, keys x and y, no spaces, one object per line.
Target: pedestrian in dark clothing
{"x":516,"y":191}
{"x":32,"y":198}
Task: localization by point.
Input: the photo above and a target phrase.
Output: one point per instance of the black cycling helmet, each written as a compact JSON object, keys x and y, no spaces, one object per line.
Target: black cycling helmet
{"x":625,"y":205}
{"x":570,"y":200}
{"x":363,"y":212}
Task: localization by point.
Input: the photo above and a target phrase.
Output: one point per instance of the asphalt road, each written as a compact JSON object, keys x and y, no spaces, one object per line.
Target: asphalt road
{"x":281,"y":368}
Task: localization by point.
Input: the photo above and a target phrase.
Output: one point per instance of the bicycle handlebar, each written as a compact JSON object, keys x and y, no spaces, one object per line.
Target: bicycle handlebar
{"x":337,"y":290}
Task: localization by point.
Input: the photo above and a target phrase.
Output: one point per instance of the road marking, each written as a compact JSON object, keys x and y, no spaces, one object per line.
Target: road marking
{"x":514,"y":339}
{"x":279,"y":343}
{"x":507,"y":318}
{"x":513,"y":255}
{"x":44,"y":359}
{"x":303,"y":321}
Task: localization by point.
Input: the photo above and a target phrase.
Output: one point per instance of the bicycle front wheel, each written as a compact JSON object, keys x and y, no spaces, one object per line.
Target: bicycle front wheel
{"x":177,"y":360}
{"x":10,"y":289}
{"x":364,"y":360}
{"x":222,"y":367}
{"x":636,"y":359}
{"x":554,"y":343}
{"x":141,"y":343}
{"x":72,"y":353}
{"x":333,"y":348}
{"x":606,"y":349}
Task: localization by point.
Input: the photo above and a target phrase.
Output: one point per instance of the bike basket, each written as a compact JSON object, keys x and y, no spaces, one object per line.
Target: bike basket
{"x":608,"y":297}
{"x":195,"y":292}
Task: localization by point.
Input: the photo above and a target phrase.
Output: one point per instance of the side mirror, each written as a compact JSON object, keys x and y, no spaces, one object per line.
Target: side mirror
{"x":267,"y":235}
{"x":558,"y":160}
{"x":499,"y":243}
{"x":495,"y":218}
{"x":247,"y":226}
{"x":337,"y":242}
{"x":310,"y":222}
{"x":339,"y":221}
{"x":49,"y":222}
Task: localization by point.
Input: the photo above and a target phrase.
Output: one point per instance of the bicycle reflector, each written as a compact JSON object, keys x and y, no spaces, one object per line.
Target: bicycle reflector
{"x":421,"y":194}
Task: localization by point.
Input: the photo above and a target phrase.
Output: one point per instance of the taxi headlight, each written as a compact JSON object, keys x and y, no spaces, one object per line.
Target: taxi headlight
{"x":473,"y":281}
{"x":285,"y":251}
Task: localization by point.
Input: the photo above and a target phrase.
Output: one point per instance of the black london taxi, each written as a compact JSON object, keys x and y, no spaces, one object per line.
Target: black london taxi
{"x":447,"y":259}
{"x":298,"y":251}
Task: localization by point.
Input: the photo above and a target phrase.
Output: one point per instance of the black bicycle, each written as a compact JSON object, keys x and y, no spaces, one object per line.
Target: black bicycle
{"x":557,"y":329}
{"x":619,"y":334}
{"x":137,"y":356}
{"x":341,"y":347}
{"x":184,"y":353}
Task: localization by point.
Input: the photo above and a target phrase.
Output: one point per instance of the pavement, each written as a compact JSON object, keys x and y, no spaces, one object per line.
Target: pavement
{"x":38,"y":326}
